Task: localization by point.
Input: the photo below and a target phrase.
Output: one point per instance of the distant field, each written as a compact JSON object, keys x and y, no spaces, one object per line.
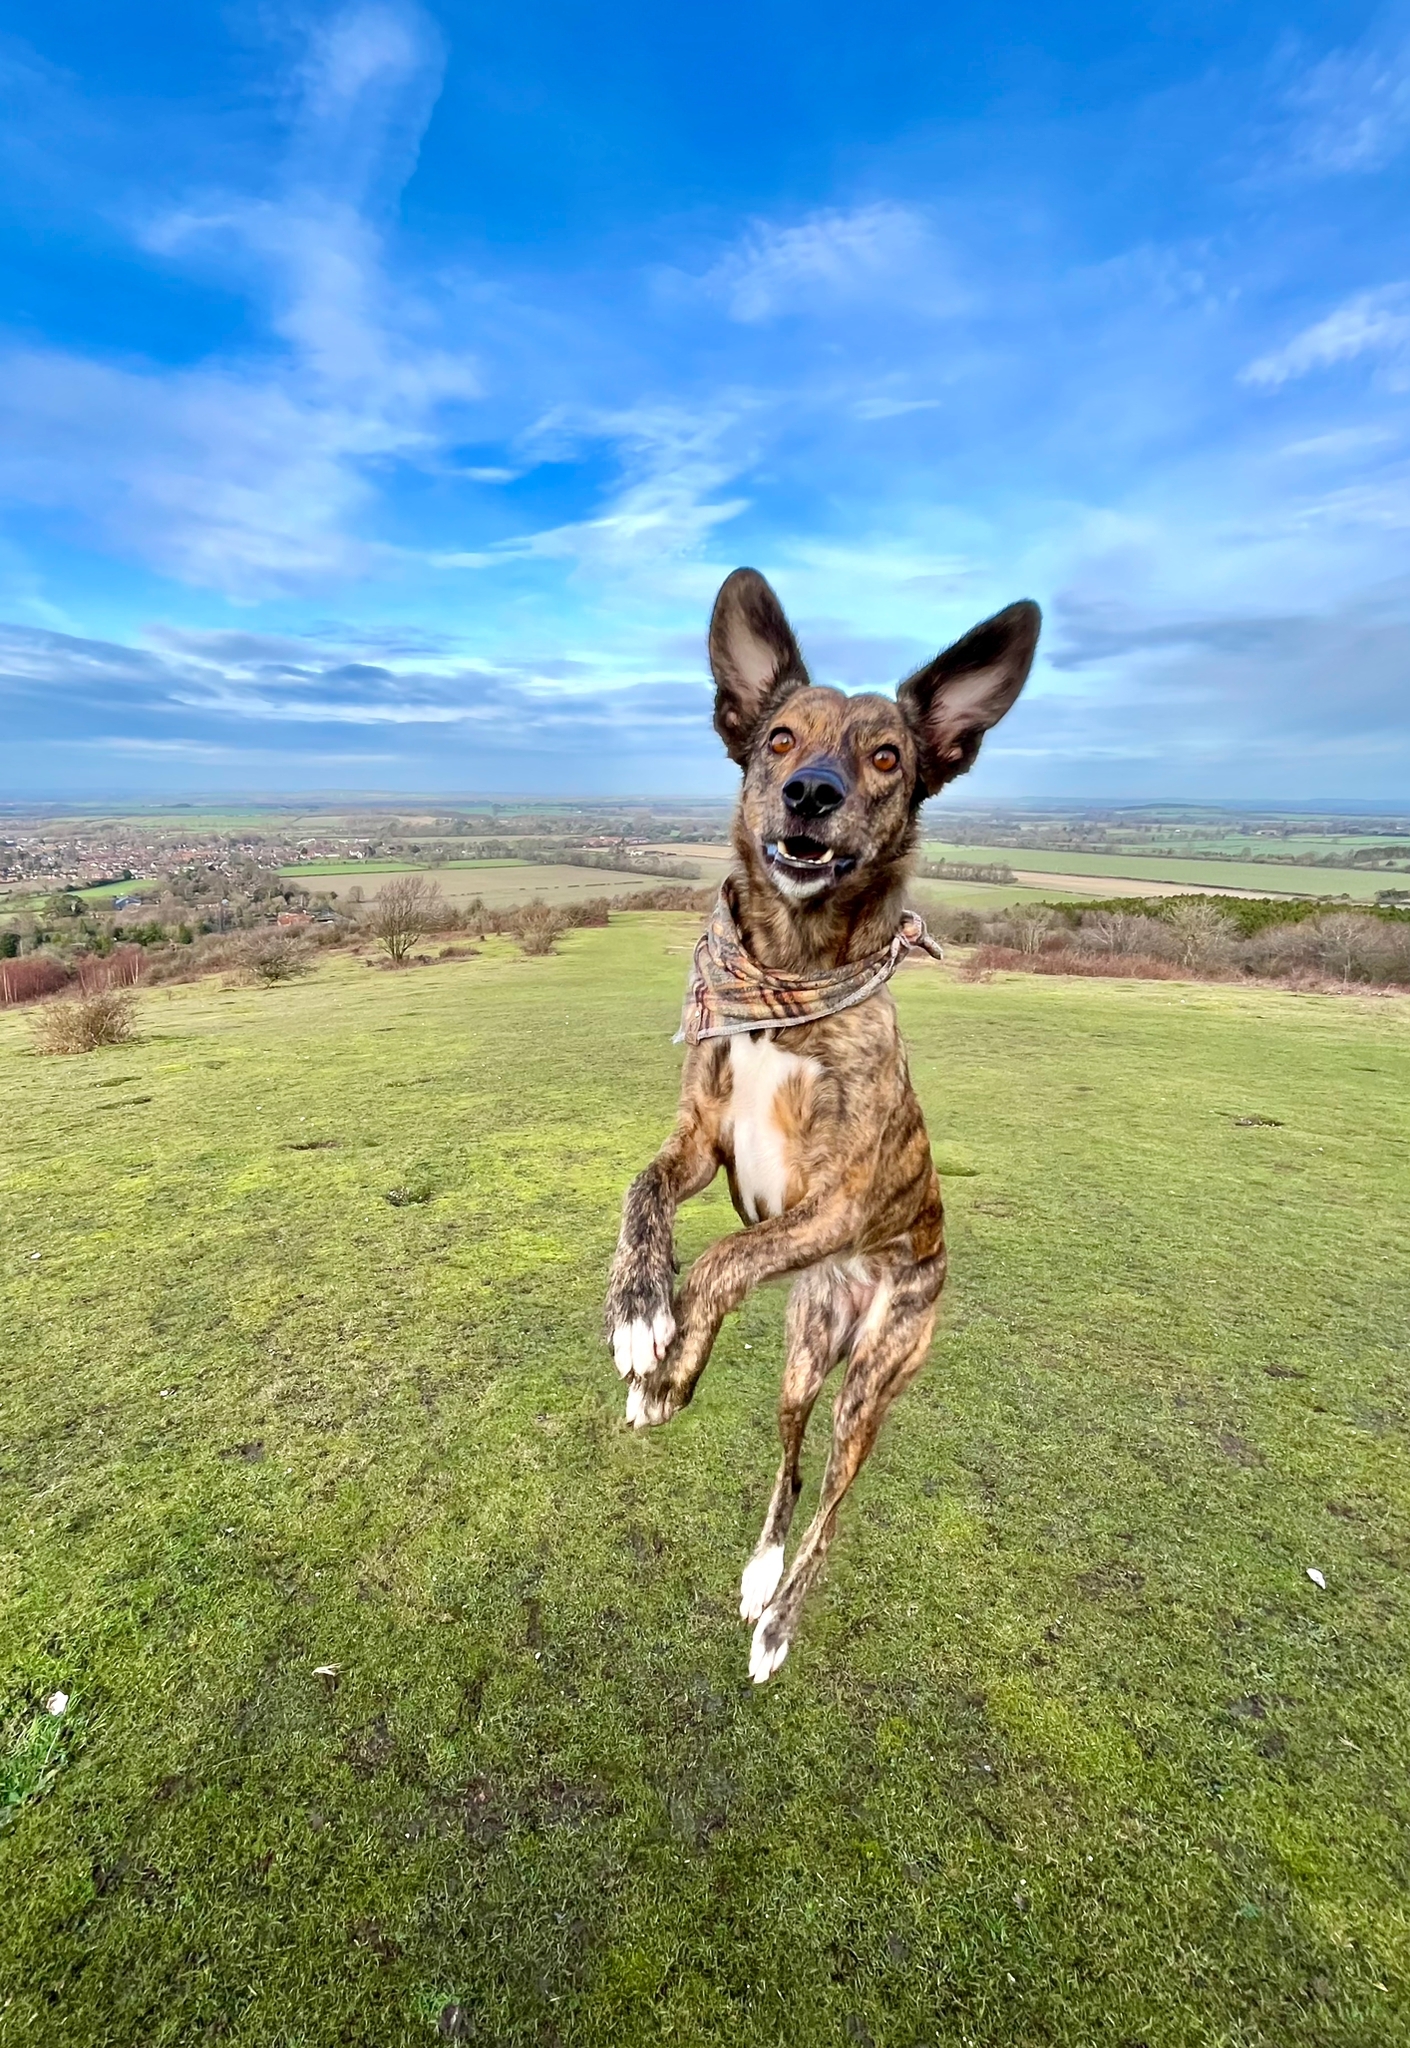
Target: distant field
{"x":1302,"y":842}
{"x":104,"y":891}
{"x":495,"y":882}
{"x":502,"y":882}
{"x":404,"y":1677}
{"x":1191,"y":873}
{"x":388,"y":867}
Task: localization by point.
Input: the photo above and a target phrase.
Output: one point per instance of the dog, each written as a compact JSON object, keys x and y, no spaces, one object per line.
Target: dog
{"x":795,"y":1078}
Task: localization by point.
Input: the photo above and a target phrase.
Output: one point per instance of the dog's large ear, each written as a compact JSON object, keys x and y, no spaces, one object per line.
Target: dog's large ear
{"x":950,"y":704}
{"x":754,"y":658}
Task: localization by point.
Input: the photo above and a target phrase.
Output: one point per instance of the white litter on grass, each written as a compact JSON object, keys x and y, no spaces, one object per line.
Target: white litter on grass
{"x":1316,"y":1577}
{"x":327,"y":1670}
{"x":36,"y":1255}
{"x":57,"y":1703}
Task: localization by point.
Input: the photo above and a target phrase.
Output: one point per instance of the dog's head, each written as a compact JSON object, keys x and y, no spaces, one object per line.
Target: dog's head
{"x":832,"y":784}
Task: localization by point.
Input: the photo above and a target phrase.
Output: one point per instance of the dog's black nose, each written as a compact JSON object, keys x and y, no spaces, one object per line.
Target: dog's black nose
{"x":814,"y":792}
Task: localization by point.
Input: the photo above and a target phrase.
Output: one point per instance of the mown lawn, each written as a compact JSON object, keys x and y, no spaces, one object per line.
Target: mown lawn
{"x":306,"y":1372}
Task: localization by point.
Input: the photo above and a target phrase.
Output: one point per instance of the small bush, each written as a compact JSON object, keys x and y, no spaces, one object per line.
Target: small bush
{"x":537,"y":925}
{"x":279,"y":960}
{"x":665,"y":899}
{"x":84,"y":1022}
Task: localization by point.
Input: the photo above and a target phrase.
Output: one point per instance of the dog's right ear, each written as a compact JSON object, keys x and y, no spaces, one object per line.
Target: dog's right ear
{"x":754,"y":658}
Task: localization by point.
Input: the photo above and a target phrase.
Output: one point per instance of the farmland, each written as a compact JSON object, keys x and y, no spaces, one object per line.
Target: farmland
{"x":407,"y":1696}
{"x":1105,"y":869}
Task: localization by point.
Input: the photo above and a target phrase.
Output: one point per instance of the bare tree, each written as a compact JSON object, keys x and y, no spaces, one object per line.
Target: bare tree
{"x":1202,"y":933}
{"x":1032,"y":923}
{"x":404,"y":911}
{"x":1344,"y":945}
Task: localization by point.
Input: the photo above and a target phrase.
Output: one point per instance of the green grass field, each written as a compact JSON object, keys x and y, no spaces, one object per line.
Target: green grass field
{"x":300,"y":1366}
{"x":355,"y":868}
{"x":502,"y":882}
{"x":103,"y":892}
{"x":496,"y":883}
{"x":1267,"y":878}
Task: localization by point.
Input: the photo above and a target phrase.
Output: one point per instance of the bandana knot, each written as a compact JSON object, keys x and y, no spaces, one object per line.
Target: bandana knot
{"x":730,"y":992}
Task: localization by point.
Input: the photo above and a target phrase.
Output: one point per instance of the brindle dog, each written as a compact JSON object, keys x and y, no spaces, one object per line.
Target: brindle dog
{"x":816,"y":1125}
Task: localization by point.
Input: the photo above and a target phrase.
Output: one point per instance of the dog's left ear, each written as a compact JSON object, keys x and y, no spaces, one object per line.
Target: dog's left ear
{"x":754,"y":658}
{"x":952,"y":703}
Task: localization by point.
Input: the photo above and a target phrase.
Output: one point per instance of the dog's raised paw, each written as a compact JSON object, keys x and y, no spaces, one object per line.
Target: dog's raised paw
{"x":761,"y":1577}
{"x":639,"y":1346}
{"x":633,"y":1349}
{"x":646,"y":1409}
{"x":768,"y":1649}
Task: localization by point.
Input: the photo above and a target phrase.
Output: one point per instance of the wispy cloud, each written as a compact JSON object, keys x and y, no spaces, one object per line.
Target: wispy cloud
{"x":1351,"y":110}
{"x":1372,"y":323}
{"x":675,"y":469}
{"x":250,"y":475}
{"x":880,"y":253}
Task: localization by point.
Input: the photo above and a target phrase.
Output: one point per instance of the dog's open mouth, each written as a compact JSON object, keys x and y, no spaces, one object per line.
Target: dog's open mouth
{"x":807,"y":860}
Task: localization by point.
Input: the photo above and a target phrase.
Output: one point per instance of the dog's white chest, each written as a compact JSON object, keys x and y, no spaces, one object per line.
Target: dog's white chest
{"x":762,"y":1138}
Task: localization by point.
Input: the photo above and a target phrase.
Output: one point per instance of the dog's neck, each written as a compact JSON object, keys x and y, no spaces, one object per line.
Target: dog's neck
{"x":803,"y":938}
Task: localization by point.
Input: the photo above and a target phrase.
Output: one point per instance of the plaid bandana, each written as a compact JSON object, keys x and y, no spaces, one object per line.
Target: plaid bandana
{"x":730,"y":992}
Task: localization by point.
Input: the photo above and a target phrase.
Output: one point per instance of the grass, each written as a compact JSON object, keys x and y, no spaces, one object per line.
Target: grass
{"x":103,"y":892}
{"x":355,"y":868}
{"x":1070,"y":1752}
{"x":500,"y":883}
{"x":1267,"y":878}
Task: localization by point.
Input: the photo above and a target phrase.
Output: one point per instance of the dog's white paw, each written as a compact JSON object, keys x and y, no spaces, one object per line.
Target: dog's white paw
{"x":645,"y":1410}
{"x":764,"y":1657}
{"x":638,"y":1346}
{"x":761,"y":1576}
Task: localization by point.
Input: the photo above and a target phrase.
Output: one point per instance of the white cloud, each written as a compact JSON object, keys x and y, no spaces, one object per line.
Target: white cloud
{"x":675,"y":465}
{"x":1373,"y":323}
{"x":833,"y":258}
{"x":249,"y":476}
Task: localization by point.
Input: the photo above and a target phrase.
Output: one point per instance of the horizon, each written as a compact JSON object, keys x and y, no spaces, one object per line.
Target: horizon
{"x":387,"y":393}
{"x":933,"y":811}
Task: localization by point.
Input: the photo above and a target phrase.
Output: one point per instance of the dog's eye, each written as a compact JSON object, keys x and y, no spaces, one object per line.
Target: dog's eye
{"x":781,"y":742}
{"x":886,"y":758}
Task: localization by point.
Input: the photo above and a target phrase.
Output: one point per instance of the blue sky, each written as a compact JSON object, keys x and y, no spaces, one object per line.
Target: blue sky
{"x":386,"y":388}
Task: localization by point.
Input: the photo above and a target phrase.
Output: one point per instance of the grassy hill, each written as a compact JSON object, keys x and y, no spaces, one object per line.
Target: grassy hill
{"x":300,"y":1367}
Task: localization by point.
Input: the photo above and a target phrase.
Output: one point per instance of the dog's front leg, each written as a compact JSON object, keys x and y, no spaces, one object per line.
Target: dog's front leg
{"x":719,"y":1281}
{"x":640,"y":1324}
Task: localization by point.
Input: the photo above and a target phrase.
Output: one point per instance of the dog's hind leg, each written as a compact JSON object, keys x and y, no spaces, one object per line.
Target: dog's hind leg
{"x":888,"y":1350}
{"x":822,"y":1311}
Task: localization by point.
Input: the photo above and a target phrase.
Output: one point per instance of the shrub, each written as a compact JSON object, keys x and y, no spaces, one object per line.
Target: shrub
{"x":1202,"y":934}
{"x":278,"y":960}
{"x":118,"y":969}
{"x":1068,"y":960}
{"x":84,"y":1022}
{"x":37,"y":974}
{"x":665,"y":899}
{"x":537,"y":925}
{"x":1120,"y":931}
